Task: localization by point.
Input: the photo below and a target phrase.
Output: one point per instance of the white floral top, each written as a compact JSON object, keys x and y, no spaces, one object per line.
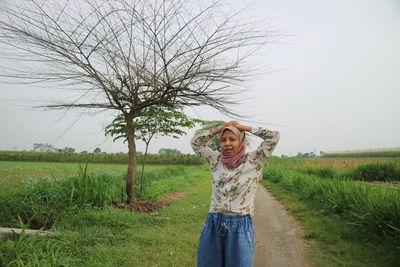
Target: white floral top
{"x":233,"y":190}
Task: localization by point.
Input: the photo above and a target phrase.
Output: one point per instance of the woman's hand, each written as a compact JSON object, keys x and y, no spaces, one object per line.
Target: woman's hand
{"x":239,"y":126}
{"x":231,"y":123}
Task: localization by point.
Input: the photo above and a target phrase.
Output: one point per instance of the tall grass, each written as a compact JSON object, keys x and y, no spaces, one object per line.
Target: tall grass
{"x":325,"y":172}
{"x":386,"y":171}
{"x":35,"y":251}
{"x":375,"y":210}
{"x":41,"y":202}
{"x":109,"y":237}
{"x":376,"y":171}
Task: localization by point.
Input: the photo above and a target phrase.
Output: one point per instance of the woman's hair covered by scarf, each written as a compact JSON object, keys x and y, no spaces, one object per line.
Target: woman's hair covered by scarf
{"x":240,"y":156}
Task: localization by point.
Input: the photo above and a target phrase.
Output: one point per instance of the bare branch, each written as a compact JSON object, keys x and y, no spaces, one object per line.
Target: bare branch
{"x":132,"y":54}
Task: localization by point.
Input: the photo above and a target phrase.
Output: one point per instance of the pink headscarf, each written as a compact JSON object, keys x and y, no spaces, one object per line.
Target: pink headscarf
{"x":240,"y":156}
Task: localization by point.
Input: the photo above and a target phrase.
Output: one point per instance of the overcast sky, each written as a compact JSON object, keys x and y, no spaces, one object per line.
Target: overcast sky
{"x":333,"y":84}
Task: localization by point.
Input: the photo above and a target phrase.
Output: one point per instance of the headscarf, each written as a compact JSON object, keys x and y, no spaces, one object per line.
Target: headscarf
{"x":240,"y":156}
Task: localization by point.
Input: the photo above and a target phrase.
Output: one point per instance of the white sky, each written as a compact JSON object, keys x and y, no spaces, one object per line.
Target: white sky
{"x":337,"y":88}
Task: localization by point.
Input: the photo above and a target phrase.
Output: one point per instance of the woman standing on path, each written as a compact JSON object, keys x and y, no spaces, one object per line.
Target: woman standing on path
{"x":227,"y":237}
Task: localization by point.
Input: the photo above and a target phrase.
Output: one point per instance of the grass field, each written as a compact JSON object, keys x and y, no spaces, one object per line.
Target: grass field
{"x":365,"y":154}
{"x":348,"y":221}
{"x":16,"y":172}
{"x":336,"y":163}
{"x":104,"y":158}
{"x":115,"y":237}
{"x":106,"y":236}
{"x":331,"y":239}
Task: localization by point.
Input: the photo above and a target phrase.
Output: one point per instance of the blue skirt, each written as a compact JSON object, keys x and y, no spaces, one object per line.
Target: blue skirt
{"x":226,"y":240}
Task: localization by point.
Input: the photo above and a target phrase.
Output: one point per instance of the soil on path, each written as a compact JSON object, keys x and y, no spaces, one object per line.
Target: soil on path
{"x":278,"y":237}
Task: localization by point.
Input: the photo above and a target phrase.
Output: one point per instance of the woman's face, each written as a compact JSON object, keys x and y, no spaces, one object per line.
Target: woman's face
{"x":229,"y":143}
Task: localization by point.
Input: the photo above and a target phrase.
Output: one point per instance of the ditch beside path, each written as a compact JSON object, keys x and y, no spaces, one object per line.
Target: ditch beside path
{"x":278,"y":237}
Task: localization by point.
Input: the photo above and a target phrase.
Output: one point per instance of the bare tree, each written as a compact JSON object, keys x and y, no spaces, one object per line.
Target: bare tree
{"x":127,"y":55}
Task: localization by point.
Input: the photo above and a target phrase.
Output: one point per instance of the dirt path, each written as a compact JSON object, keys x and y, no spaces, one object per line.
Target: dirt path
{"x":278,"y":237}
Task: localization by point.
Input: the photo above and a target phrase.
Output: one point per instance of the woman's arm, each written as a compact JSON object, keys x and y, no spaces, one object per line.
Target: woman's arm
{"x":265,"y":149}
{"x":200,"y":147}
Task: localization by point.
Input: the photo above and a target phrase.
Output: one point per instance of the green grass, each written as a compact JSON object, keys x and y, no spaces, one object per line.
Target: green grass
{"x":38,"y":203}
{"x":118,"y":158}
{"x":386,"y":171}
{"x":171,"y":240}
{"x":333,"y":236}
{"x":103,"y":236}
{"x":339,"y":164}
{"x":111,"y":237}
{"x":385,"y":154}
{"x":14,"y":173}
{"x":376,"y":211}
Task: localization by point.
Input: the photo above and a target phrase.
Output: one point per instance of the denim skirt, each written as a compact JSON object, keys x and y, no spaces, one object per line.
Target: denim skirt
{"x":226,"y":241}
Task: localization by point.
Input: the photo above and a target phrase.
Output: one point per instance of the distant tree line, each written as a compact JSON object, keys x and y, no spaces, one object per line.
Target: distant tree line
{"x":306,"y":155}
{"x":168,"y":151}
{"x":45,"y":147}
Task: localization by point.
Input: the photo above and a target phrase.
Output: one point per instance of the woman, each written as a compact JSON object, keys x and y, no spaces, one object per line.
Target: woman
{"x":227,"y":237}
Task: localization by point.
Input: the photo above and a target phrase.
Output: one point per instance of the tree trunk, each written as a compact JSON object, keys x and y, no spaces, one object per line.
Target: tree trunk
{"x":130,"y":179}
{"x":142,"y":175}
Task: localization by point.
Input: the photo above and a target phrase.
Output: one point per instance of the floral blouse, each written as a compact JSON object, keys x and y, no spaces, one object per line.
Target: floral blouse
{"x":233,"y":190}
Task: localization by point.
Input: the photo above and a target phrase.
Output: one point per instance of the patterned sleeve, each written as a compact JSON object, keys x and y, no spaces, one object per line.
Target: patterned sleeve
{"x":265,"y":149}
{"x":199,"y":146}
